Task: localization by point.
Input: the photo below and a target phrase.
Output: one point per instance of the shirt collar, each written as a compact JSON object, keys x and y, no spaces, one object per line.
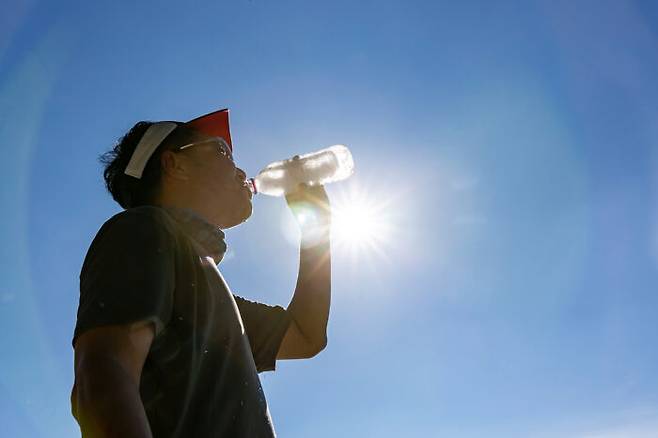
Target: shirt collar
{"x":208,"y":237}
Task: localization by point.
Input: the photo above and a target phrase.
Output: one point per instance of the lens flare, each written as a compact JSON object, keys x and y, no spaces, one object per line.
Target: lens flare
{"x":357,"y":224}
{"x":361,"y":223}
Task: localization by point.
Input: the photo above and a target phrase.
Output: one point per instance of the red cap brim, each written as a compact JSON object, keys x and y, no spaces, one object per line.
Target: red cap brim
{"x":214,"y":124}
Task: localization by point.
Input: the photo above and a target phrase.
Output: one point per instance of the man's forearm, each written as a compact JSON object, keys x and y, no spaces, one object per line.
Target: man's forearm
{"x":107,"y":404}
{"x":309,"y":306}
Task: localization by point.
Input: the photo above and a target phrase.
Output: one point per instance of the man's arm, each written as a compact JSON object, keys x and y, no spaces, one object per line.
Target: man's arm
{"x":309,"y":307}
{"x":105,"y":398}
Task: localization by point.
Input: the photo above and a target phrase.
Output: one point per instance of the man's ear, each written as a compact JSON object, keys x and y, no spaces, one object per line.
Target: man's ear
{"x":174,"y":166}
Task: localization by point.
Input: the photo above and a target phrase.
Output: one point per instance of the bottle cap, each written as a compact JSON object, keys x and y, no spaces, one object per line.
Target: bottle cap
{"x":251,"y":183}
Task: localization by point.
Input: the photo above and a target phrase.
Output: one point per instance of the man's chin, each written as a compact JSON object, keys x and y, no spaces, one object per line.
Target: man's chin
{"x":239,"y":218}
{"x":248,"y":210}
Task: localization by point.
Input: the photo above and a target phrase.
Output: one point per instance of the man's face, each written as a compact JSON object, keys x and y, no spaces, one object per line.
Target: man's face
{"x":218,"y":185}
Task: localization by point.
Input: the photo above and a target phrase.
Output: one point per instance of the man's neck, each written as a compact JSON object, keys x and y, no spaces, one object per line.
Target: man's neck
{"x":185,"y":203}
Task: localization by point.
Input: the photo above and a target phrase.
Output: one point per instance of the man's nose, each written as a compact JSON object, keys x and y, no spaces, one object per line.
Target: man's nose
{"x":240,"y":174}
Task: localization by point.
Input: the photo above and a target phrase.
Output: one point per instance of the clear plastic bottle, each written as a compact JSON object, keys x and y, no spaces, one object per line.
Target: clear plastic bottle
{"x":328,"y":165}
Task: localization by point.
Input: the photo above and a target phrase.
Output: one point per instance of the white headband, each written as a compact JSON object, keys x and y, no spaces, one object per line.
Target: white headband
{"x":150,"y":141}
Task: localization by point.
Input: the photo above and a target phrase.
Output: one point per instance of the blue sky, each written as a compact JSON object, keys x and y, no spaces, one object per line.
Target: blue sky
{"x":510,"y":147}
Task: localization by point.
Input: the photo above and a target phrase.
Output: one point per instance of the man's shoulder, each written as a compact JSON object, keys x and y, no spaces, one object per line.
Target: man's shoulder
{"x":143,"y":221}
{"x":140,"y":229}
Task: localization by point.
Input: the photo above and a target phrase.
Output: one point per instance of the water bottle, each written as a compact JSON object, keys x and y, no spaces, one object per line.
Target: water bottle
{"x":281,"y":177}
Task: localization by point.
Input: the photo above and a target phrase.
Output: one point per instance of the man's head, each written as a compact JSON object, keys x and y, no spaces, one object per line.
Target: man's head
{"x":201,"y":176}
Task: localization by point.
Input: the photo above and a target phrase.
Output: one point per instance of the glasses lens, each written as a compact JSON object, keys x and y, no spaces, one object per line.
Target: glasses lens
{"x":223,"y":147}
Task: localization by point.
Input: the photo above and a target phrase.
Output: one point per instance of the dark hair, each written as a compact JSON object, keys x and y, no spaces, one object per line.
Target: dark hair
{"x":129,"y":191}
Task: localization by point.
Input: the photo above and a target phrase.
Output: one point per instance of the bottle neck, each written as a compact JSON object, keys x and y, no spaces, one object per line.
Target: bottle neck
{"x":251,"y":183}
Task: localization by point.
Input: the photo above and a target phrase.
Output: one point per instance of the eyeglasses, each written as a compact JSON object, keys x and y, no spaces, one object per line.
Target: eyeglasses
{"x":223,"y":147}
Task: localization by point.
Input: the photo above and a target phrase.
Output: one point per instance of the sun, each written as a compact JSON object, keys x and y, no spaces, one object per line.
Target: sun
{"x":360,"y":222}
{"x":364,"y":224}
{"x":355,"y":224}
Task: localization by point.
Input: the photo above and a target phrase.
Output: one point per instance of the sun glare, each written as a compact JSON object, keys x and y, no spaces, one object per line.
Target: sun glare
{"x":360,"y":222}
{"x":356,"y":224}
{"x":363,"y":224}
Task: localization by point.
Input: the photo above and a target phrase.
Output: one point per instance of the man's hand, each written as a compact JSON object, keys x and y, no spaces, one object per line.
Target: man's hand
{"x":312,"y":210}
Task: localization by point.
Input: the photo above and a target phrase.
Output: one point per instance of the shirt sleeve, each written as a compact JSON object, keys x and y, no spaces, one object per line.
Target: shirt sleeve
{"x":265,"y":326}
{"x":128,"y":274}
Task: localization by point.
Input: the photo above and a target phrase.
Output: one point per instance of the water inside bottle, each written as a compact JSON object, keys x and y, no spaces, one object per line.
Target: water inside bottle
{"x":325,"y":166}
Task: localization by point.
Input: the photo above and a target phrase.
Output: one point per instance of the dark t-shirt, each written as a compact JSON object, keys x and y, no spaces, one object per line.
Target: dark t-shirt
{"x":200,"y":378}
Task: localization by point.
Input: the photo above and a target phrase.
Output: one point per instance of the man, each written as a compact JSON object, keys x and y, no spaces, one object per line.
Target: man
{"x":162,"y":346}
